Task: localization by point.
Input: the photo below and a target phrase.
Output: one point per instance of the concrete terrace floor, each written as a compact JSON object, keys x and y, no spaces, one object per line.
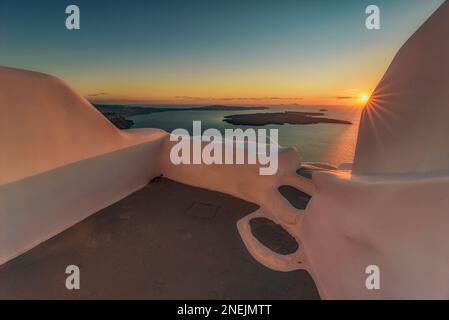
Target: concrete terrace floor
{"x":166,"y":241}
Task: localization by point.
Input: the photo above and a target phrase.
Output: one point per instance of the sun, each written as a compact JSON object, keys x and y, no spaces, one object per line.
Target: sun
{"x":364,"y":99}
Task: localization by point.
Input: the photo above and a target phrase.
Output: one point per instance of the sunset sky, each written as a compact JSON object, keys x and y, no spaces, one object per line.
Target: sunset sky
{"x":202,"y":52}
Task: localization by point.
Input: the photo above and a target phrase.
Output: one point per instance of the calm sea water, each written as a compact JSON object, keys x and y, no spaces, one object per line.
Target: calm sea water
{"x":330,"y":143}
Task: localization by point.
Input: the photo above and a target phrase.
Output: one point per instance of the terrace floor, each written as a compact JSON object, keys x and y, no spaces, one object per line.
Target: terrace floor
{"x":166,"y":241}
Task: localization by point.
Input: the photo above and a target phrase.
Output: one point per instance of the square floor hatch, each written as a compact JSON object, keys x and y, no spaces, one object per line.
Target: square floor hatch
{"x":202,"y":210}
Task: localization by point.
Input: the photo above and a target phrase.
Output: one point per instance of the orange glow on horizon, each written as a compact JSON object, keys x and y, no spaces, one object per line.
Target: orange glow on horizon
{"x":310,"y":101}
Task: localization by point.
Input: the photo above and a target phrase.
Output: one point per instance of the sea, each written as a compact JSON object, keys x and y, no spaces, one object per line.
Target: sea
{"x":325,"y":143}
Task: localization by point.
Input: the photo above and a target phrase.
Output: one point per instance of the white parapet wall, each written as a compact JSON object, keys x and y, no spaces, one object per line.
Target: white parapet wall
{"x":61,"y":160}
{"x":397,"y":224}
{"x":244,"y":180}
{"x":391,"y":214}
{"x":36,"y":208}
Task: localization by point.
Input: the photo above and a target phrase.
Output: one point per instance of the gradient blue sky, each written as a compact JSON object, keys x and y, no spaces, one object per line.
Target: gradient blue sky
{"x":202,"y":51}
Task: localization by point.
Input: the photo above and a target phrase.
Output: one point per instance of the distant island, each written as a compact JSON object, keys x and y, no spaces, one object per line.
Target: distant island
{"x":117,"y":113}
{"x":138,"y":110}
{"x":280,"y":118}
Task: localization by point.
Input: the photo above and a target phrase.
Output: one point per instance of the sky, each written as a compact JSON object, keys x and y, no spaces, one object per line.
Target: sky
{"x":200,"y":52}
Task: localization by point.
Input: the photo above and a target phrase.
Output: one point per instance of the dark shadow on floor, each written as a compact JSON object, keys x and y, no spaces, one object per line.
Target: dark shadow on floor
{"x":166,"y":241}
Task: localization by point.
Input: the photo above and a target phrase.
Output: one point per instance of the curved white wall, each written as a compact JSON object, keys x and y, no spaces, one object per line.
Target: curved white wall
{"x":37,"y":208}
{"x":393,"y":211}
{"x":404,"y":128}
{"x":399,"y":225}
{"x":44,"y":124}
{"x":61,"y":160}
